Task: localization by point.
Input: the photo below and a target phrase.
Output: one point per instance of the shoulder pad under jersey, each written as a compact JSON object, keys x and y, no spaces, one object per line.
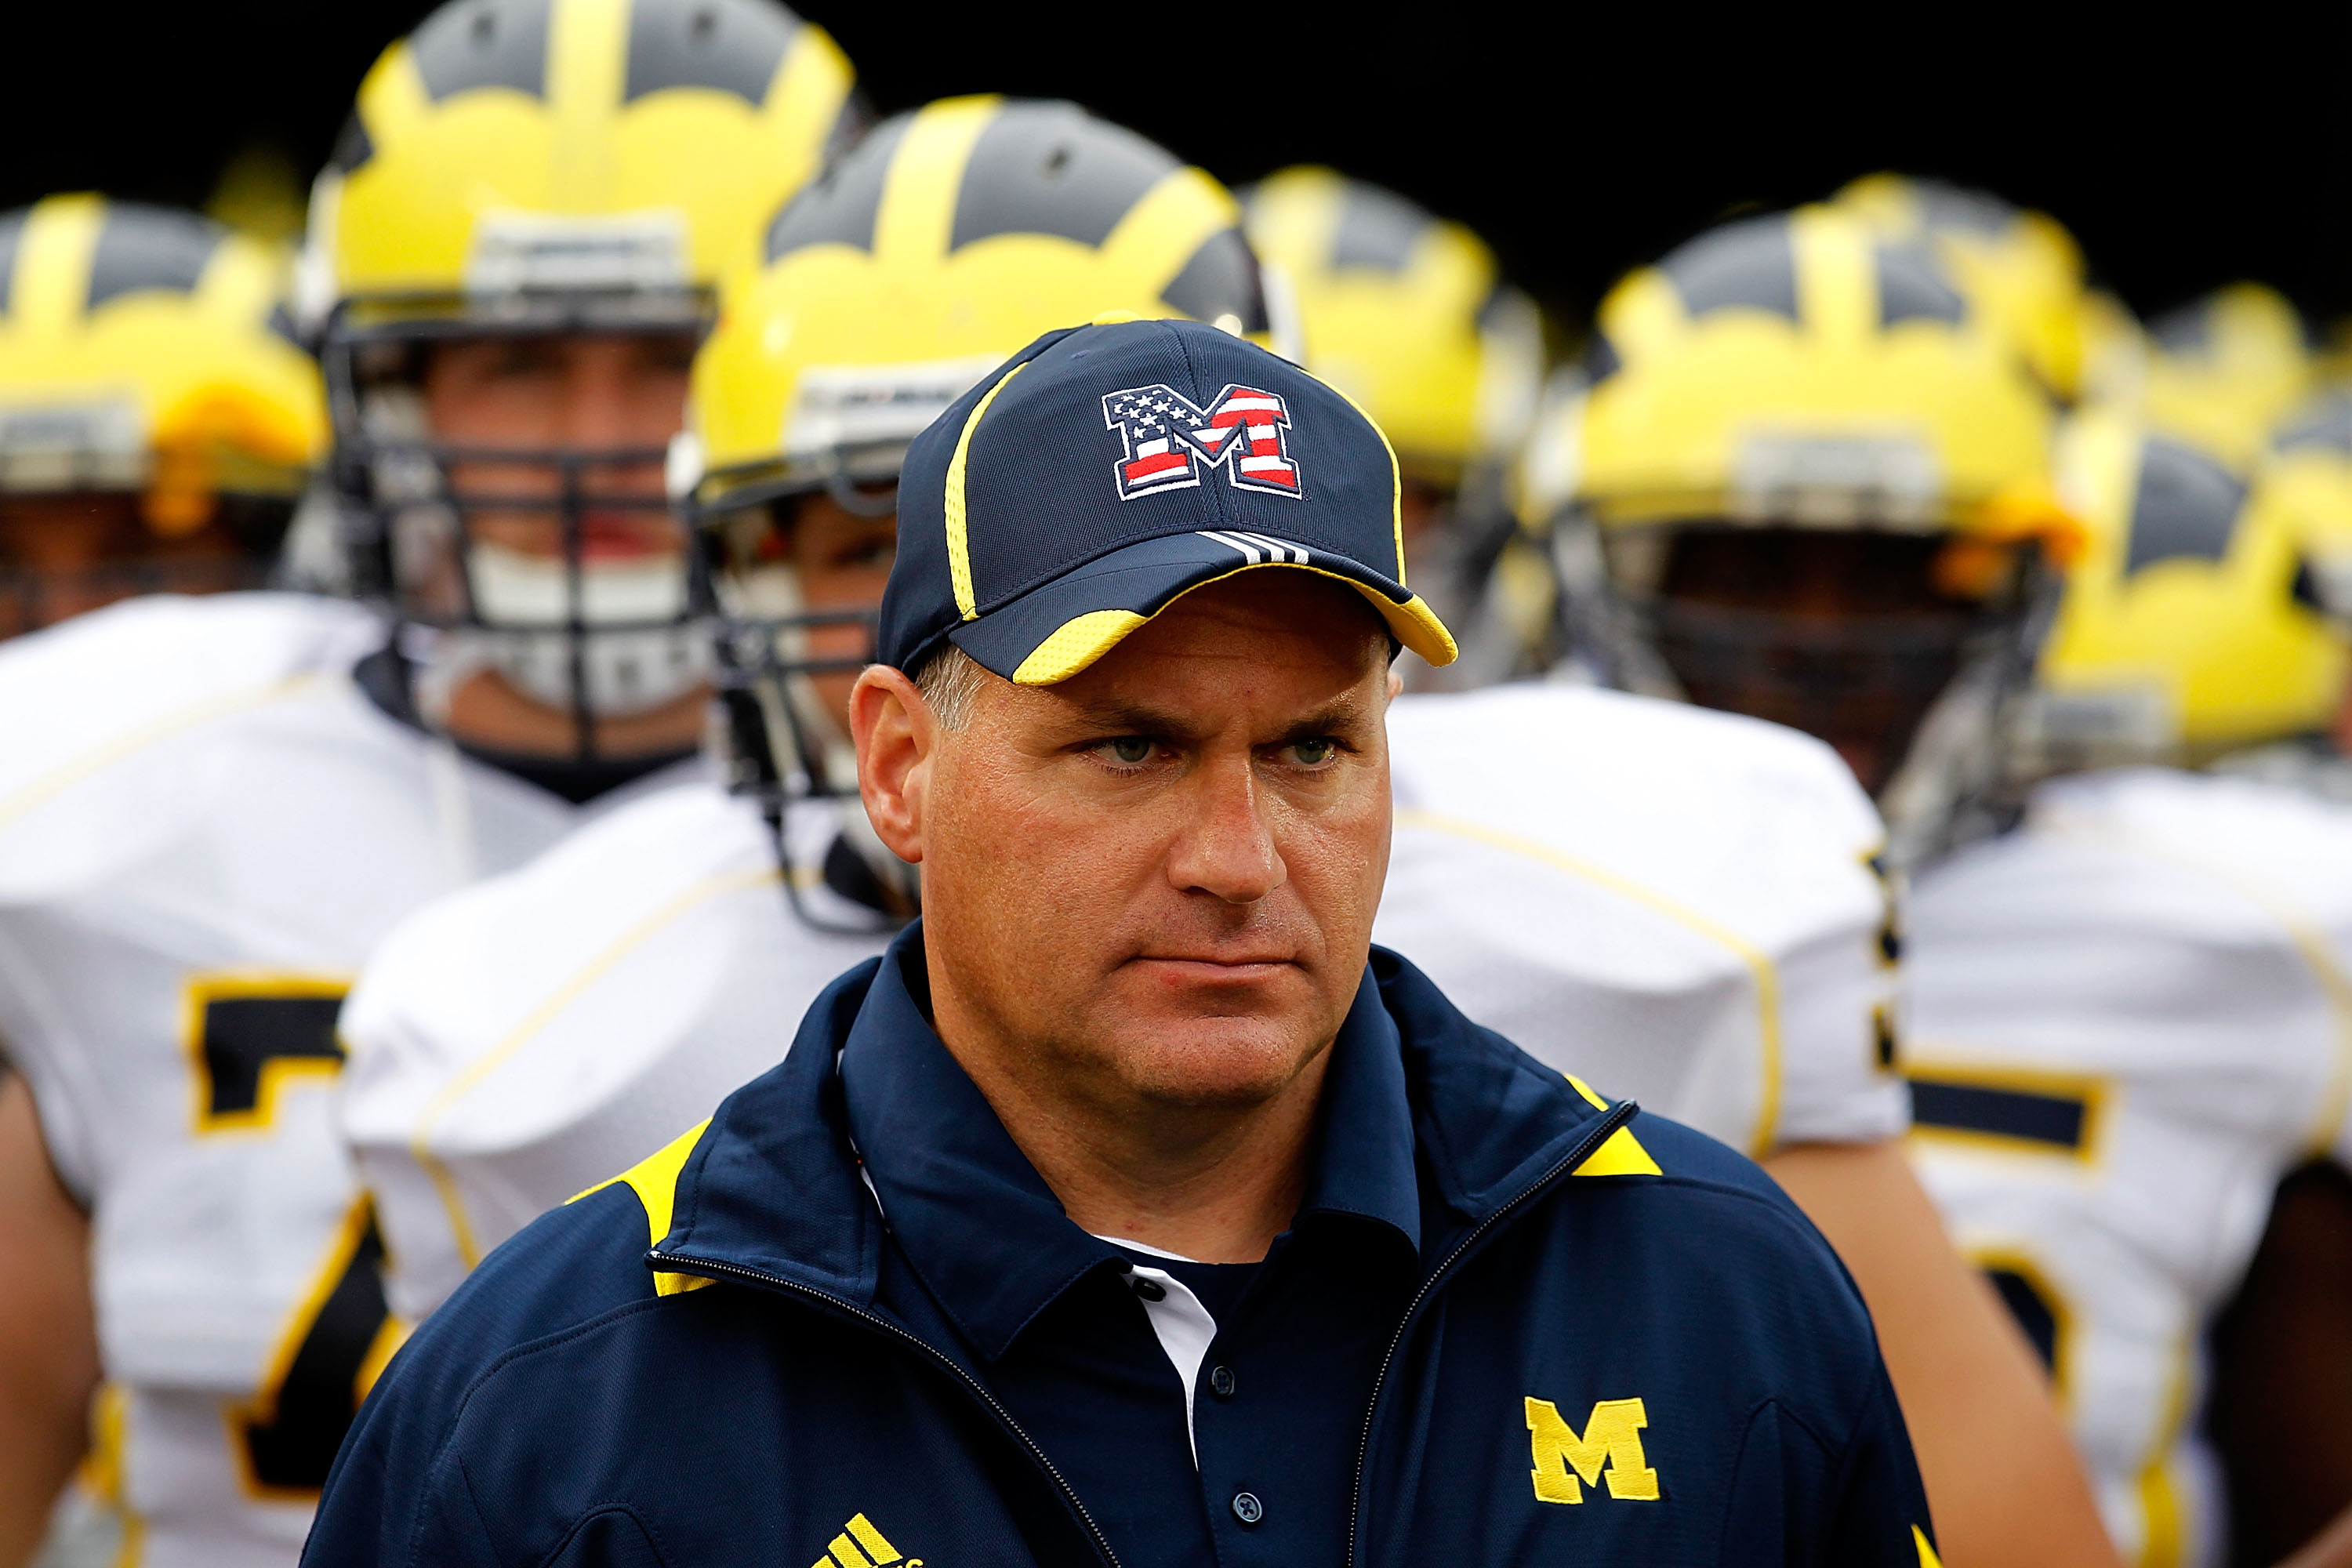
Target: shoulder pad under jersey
{"x":109,"y":716}
{"x":1678,"y":905}
{"x":2152,"y":913}
{"x":525,"y":1038}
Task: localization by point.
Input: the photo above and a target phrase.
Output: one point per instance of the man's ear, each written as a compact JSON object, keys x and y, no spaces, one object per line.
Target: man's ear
{"x":897,"y":739}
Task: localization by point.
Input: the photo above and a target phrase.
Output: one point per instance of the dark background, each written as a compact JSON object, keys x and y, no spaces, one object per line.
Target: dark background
{"x":1580,"y":141}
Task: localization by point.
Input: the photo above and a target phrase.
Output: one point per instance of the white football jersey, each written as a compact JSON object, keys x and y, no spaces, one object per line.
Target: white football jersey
{"x":205,"y":829}
{"x":521,"y":1041}
{"x":1677,"y":905}
{"x":2126,"y":1020}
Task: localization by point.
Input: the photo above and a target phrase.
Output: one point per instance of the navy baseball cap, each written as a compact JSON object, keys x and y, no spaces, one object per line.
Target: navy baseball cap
{"x":1083,"y":486}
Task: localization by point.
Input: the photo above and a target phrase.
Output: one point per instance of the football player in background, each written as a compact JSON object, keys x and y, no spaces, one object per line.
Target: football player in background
{"x":1796,"y":394}
{"x":1410,"y":318}
{"x":1787,"y":531}
{"x":212,"y":809}
{"x":523,"y":1040}
{"x":2104,"y":1132}
{"x":2282,"y":1372}
{"x":1676,"y":902}
{"x":154,"y":428}
{"x":156,"y":419}
{"x":2217,"y":649}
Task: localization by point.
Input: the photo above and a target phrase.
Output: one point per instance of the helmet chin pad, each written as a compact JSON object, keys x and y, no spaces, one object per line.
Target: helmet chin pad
{"x":514,"y":588}
{"x":619,"y":673}
{"x":1845,"y":634}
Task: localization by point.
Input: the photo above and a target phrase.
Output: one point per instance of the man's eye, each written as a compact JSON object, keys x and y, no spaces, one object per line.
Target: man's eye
{"x":1316,"y":753}
{"x":1130,"y":748}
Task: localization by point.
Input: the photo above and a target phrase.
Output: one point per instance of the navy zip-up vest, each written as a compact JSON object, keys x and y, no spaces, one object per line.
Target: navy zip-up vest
{"x":1626,"y":1346}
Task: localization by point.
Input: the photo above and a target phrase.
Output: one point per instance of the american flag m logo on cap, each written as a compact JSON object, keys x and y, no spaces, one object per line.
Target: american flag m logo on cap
{"x":1167,"y":439}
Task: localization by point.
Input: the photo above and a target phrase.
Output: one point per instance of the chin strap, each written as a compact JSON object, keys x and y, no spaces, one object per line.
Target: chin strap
{"x":1962,"y":781}
{"x":838,"y":877}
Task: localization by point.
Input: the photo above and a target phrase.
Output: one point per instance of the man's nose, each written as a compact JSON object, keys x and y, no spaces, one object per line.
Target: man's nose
{"x":605,"y":409}
{"x":1226,"y":849}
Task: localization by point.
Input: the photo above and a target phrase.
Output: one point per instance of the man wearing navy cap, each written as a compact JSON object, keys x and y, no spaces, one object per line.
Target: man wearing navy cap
{"x":1132,"y":1209}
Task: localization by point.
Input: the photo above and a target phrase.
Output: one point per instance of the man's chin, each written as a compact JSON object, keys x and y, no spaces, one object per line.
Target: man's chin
{"x":1197,"y":1063}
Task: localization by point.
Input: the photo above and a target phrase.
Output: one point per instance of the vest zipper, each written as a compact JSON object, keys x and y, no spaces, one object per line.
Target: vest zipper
{"x":669,"y":1263}
{"x":1591,"y":1140}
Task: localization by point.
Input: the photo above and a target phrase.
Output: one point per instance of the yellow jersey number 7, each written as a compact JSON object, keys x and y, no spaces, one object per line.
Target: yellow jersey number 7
{"x":249,"y":1037}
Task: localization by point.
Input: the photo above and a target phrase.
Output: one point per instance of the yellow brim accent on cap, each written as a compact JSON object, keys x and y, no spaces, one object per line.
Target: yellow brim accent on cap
{"x":1083,"y":639}
{"x":958,"y":542}
{"x":1075,"y":645}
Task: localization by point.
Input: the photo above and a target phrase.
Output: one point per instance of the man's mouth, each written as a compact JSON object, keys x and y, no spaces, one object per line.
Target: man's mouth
{"x":1228,"y":968}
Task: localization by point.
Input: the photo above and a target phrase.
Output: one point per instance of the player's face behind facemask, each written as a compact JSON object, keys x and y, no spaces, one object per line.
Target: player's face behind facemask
{"x":1805,"y":478}
{"x":64,"y":553}
{"x":512,"y":255}
{"x":545,"y":544}
{"x":1851,"y":635}
{"x":797,"y":580}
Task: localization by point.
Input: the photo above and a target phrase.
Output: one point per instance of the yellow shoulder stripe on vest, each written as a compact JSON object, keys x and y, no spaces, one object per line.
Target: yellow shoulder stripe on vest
{"x":654,"y":1180}
{"x":1621,"y":1153}
{"x":1585,"y":1089}
{"x":1927,"y":1558}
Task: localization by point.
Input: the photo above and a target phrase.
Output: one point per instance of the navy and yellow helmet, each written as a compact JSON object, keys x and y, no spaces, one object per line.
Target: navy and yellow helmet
{"x":1799,"y":368}
{"x":2192,"y":623}
{"x":2021,"y":268}
{"x":938,"y":247}
{"x":145,"y":349}
{"x":510,"y":146}
{"x":1808,"y":480}
{"x":2224,"y":371}
{"x":1406,"y":314}
{"x":549,"y":169}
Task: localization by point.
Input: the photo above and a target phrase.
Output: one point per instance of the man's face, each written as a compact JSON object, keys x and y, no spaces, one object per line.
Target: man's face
{"x":62,"y":554}
{"x":622,"y":394}
{"x":1849,"y":636}
{"x":619,"y":394}
{"x":1157,"y":880}
{"x":843,"y":562}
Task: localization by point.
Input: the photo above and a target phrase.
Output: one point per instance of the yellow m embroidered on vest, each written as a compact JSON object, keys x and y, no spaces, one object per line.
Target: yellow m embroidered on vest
{"x":1566,"y":1463}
